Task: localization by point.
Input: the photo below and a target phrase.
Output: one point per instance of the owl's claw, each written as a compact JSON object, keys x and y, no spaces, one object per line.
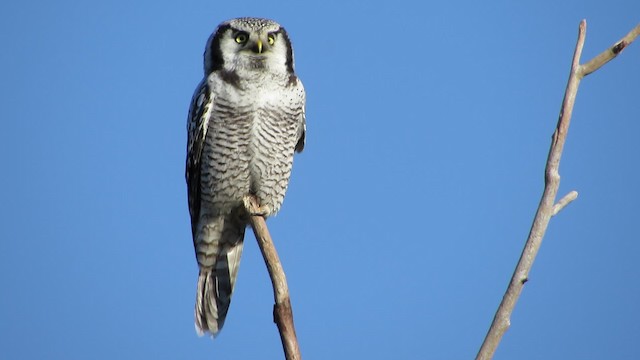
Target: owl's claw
{"x":254,"y":210}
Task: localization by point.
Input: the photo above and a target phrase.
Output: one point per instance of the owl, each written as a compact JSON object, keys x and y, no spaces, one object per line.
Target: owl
{"x":246,"y":120}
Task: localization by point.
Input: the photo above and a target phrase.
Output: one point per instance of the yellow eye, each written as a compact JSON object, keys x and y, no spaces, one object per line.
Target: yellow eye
{"x":242,"y":38}
{"x":271,"y":39}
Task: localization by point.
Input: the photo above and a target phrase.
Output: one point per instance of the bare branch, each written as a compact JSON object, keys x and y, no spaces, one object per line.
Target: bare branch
{"x":566,"y":200}
{"x":606,"y":56}
{"x":282,"y":312}
{"x":547,"y":208}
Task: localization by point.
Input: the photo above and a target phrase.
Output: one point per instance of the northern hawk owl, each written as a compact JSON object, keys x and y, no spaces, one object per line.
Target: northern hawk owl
{"x":246,"y":119}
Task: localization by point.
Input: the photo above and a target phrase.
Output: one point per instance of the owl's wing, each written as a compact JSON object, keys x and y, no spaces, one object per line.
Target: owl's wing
{"x":302,"y":128}
{"x":199,"y":114}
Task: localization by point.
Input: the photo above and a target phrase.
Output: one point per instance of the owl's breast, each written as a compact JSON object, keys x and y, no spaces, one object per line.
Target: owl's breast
{"x":250,"y":143}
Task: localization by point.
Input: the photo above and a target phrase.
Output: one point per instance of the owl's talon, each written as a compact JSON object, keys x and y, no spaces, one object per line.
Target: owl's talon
{"x":261,"y":211}
{"x":252,"y":210}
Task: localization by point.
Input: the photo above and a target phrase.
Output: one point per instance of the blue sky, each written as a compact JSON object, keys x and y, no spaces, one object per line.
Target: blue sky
{"x":428,"y":129}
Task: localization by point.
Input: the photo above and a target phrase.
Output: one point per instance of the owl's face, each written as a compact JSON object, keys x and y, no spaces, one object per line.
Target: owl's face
{"x":249,"y":43}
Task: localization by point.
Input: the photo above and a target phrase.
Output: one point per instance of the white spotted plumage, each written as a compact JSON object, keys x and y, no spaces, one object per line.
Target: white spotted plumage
{"x":245,"y":122}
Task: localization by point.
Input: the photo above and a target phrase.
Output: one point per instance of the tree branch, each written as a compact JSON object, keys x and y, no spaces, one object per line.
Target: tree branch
{"x":282,"y":312}
{"x":607,"y":55}
{"x":547,"y":207}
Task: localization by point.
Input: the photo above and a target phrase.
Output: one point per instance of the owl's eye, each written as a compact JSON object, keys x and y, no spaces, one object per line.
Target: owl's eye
{"x":242,"y":37}
{"x":271,"y":39}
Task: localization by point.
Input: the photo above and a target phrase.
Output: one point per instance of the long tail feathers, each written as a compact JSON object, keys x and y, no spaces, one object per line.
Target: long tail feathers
{"x":215,"y":287}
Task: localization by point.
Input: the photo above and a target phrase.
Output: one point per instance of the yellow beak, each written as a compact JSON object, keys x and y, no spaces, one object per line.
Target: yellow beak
{"x":259,"y":46}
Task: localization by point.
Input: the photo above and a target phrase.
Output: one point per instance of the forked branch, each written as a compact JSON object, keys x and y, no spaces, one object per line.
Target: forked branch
{"x":548,"y":206}
{"x":282,"y":313}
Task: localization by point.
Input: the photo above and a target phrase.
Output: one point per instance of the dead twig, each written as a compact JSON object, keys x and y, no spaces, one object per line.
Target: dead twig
{"x":548,"y":207}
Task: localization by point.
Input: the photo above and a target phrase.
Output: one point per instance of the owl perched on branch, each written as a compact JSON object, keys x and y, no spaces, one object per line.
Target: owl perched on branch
{"x":246,"y":120}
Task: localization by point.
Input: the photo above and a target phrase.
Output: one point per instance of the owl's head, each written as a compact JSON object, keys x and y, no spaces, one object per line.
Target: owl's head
{"x":249,"y":43}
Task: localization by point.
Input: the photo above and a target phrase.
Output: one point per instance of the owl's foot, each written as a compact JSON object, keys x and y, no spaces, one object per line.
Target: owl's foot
{"x":251,"y":205}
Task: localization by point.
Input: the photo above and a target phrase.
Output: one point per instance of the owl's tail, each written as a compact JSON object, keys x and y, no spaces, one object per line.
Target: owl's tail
{"x":216,"y":283}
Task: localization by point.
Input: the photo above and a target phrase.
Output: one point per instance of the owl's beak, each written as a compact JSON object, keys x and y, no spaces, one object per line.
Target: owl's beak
{"x":259,"y":44}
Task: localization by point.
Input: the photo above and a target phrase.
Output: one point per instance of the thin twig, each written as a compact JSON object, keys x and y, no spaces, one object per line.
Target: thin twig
{"x":566,"y":200}
{"x":282,"y":313}
{"x":547,"y":207}
{"x":607,"y":55}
